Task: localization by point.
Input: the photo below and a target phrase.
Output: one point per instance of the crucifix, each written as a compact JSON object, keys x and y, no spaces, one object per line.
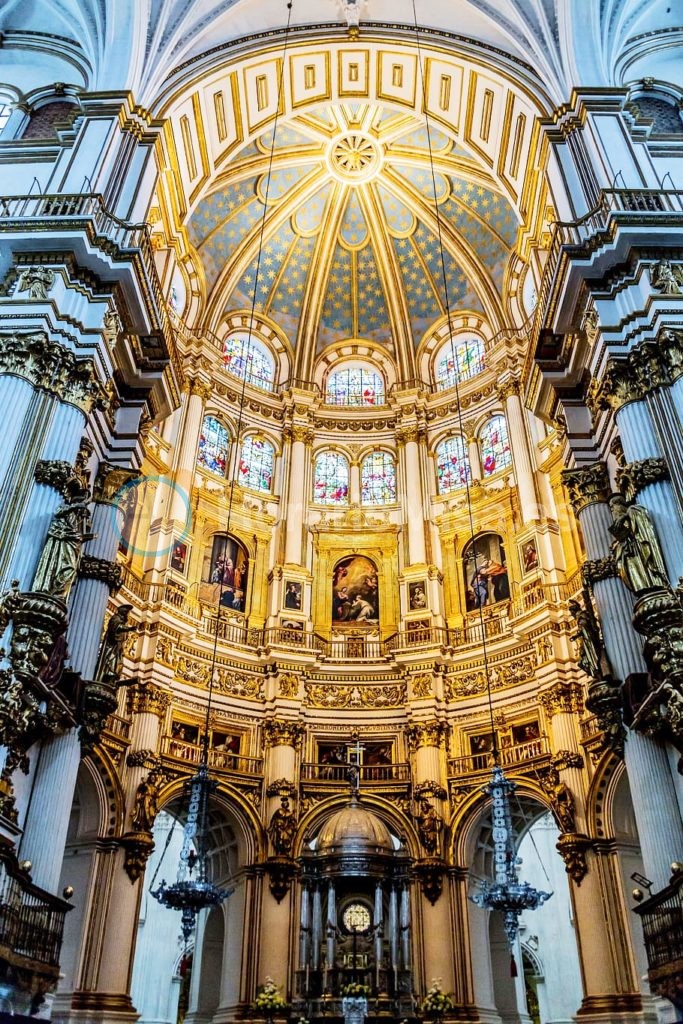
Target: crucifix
{"x":354,"y":755}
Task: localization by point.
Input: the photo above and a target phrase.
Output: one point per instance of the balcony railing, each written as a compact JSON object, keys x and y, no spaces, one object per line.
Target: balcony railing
{"x":662,"y":917}
{"x":339,"y":773}
{"x":31,"y":920}
{"x":519,"y":754}
{"x":191,"y":753}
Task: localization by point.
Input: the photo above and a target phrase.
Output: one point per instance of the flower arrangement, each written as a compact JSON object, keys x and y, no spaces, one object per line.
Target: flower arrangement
{"x":268,"y":998}
{"x":356,"y":990}
{"x":436,"y":1002}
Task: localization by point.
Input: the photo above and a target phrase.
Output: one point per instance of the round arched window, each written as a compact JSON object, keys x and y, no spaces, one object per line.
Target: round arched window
{"x":246,"y":358}
{"x":452,"y":465}
{"x":355,"y":385}
{"x":459,"y":359}
{"x":214,"y":445}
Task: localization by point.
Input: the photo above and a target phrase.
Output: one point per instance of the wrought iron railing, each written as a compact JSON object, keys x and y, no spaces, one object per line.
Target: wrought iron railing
{"x":662,"y":918}
{"x":31,"y":920}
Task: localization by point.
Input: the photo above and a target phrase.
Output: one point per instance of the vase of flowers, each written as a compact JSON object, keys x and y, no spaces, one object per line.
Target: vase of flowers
{"x":355,"y":990}
{"x":355,"y":1002}
{"x":269,"y":1000}
{"x":437,"y":1002}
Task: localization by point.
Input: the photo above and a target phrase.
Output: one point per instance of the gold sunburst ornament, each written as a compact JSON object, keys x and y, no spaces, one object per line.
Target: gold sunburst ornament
{"x":354,"y":157}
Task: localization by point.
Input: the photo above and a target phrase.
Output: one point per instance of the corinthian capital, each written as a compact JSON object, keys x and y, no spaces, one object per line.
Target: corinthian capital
{"x":588,"y":485}
{"x":426,"y":734}
{"x":282,"y":732}
{"x":507,"y":388}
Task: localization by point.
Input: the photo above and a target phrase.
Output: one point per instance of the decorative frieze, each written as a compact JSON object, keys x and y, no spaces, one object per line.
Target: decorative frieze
{"x":563,"y":697}
{"x":51,"y":367}
{"x":586,"y":486}
{"x":499,"y":676}
{"x":370,"y":696}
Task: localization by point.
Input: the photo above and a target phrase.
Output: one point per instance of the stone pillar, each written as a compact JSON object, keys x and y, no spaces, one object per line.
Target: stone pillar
{"x":198,"y":393}
{"x":354,"y":482}
{"x":473,"y":456}
{"x":316,"y":928}
{"x":659,"y":823}
{"x":463,"y":981}
{"x":331,"y":929}
{"x":413,"y":508}
{"x":378,"y":924}
{"x":301,"y":440}
{"x":508,"y":393}
{"x":426,"y":740}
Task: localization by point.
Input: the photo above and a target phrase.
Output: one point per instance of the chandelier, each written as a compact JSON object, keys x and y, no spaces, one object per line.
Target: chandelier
{"x":505,"y":893}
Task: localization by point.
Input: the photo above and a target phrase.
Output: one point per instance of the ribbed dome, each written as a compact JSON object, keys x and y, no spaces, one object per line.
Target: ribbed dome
{"x":354,"y":829}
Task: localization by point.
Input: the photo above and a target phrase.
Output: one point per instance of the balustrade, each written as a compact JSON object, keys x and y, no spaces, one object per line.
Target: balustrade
{"x":517,"y":754}
{"x":31,"y":920}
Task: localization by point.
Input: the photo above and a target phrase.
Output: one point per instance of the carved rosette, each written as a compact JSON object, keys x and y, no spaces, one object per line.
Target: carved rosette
{"x":92,"y":568}
{"x":426,"y":734}
{"x":138,"y":847}
{"x":280,"y":732}
{"x":562,"y":698}
{"x":636,"y":476}
{"x":573,"y":847}
{"x":586,"y":486}
{"x":51,"y":367}
{"x":148,"y":699}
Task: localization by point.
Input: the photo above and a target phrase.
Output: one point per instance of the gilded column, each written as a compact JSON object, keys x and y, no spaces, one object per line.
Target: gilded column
{"x":407,"y":438}
{"x":508,"y":393}
{"x":659,"y":823}
{"x":301,"y":441}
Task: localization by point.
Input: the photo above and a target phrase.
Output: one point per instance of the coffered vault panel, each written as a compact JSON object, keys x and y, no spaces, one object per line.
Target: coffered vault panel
{"x":351,"y":246}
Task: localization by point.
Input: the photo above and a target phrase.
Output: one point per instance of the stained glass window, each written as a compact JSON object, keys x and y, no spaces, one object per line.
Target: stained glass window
{"x":452,"y":465}
{"x":247,"y":359}
{"x":354,"y":385}
{"x":459,"y":360}
{"x":256,"y":464}
{"x":213,"y":446}
{"x":331,"y":479}
{"x":495,"y":446}
{"x":378,"y":479}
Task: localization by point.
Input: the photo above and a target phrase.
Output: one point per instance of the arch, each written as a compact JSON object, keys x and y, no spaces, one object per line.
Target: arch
{"x":453,"y":470}
{"x":362,"y":350}
{"x":331,"y":473}
{"x":461,"y":357}
{"x":213,"y":450}
{"x":225,"y":575}
{"x":378,"y":478}
{"x":256,"y":463}
{"x":494,"y":445}
{"x":249,"y":359}
{"x":267,"y":333}
{"x":355,"y":383}
{"x":398,"y":824}
{"x":47,"y":115}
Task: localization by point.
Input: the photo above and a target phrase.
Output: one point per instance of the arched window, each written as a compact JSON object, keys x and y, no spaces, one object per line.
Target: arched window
{"x":452,"y":465}
{"x":378,"y":479}
{"x":248,"y":359}
{"x":256,"y":463}
{"x":331,"y":479}
{"x":495,"y":446}
{"x":459,"y":359}
{"x":355,"y":385}
{"x":212,"y":453}
{"x":5,"y":111}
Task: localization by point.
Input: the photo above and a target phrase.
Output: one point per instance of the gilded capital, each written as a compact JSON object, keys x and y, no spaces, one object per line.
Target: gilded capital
{"x":200,"y":388}
{"x":563,"y":698}
{"x":147,"y":699}
{"x":618,"y":386}
{"x":636,"y":476}
{"x":303,"y":434}
{"x":110,"y":481}
{"x":282,"y":732}
{"x":404,"y":435}
{"x":426,"y":734}
{"x":507,"y":388}
{"x":51,"y":367}
{"x":586,"y":486}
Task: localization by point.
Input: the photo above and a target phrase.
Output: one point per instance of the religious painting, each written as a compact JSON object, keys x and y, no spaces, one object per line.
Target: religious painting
{"x":332,"y":753}
{"x":526,"y":733}
{"x":417,"y":595}
{"x":377,"y":754}
{"x":224,"y":746}
{"x":485,"y":571}
{"x":183,"y":734}
{"x":293,"y":595}
{"x":528,"y":555}
{"x":178,"y":559}
{"x":225,"y":571}
{"x":355,"y":592}
{"x":481,"y":743}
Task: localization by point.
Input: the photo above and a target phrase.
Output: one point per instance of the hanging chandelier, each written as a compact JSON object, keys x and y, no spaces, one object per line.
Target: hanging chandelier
{"x":505,"y":893}
{"x":192,"y":891}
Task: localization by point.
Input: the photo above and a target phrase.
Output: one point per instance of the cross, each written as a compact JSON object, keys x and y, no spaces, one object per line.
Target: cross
{"x":359,"y":746}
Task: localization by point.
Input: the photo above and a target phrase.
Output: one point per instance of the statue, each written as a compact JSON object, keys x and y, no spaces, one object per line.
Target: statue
{"x":61,"y":552}
{"x":8,"y":602}
{"x":37,"y":281}
{"x":592,"y":657}
{"x":664,"y":278}
{"x":282,"y":828}
{"x":636,"y":549}
{"x":145,"y":809}
{"x":110,"y":662}
{"x":561,"y":800}
{"x":428,"y":825}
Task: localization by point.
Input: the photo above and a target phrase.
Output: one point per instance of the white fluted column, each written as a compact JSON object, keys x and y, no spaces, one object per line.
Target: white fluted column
{"x":354,"y":483}
{"x":508,"y":392}
{"x":16,"y":399}
{"x":407,"y":438}
{"x":331,"y":928}
{"x":473,"y":456}
{"x":198,"y":393}
{"x":639,"y":442}
{"x":301,"y":439}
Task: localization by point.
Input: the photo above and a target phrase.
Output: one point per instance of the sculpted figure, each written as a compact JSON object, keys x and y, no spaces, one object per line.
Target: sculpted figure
{"x":8,"y":602}
{"x":561,"y":801}
{"x":110,"y":663}
{"x":636,"y":548}
{"x":663,"y":278}
{"x":428,"y":825}
{"x":592,"y":658}
{"x":61,"y":552}
{"x":146,"y":808}
{"x":282,"y":828}
{"x":37,"y":281}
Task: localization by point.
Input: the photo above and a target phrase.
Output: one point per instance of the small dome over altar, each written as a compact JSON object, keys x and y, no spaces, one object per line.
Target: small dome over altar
{"x":354,"y":829}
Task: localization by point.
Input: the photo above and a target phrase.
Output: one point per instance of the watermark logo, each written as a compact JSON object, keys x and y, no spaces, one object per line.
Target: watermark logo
{"x":150,"y":515}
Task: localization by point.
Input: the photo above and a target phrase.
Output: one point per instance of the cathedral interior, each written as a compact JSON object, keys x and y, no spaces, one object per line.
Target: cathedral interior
{"x":341,"y":498}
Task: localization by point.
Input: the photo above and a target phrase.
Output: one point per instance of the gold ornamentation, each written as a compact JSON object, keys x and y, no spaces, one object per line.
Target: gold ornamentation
{"x":282,"y":732}
{"x":421,"y":685}
{"x":51,"y":367}
{"x":404,"y":435}
{"x":429,"y":824}
{"x":429,"y":872}
{"x":594,"y":570}
{"x":354,"y":157}
{"x":355,"y":696}
{"x":604,"y":700}
{"x":507,"y":388}
{"x":567,"y":759}
{"x":97,"y":704}
{"x":303,"y":434}
{"x":426,"y":734}
{"x":560,"y":798}
{"x":281,"y":870}
{"x":53,"y":473}
{"x":288,"y":685}
{"x":563,"y":698}
{"x":636,"y":476}
{"x":636,"y":550}
{"x":586,"y":486}
{"x":281,"y":787}
{"x":238,"y":684}
{"x":59,"y":558}
{"x":201,"y":388}
{"x":138,"y":846}
{"x":145,"y":807}
{"x":147,"y":699}
{"x":282,"y":828}
{"x":110,"y":481}
{"x":37,"y":281}
{"x":500,"y":676}
{"x":92,"y":568}
{"x":573,"y":848}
